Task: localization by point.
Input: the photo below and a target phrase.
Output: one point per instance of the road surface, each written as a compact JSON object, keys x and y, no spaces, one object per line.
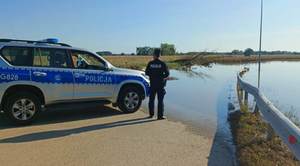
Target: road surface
{"x":101,"y":136}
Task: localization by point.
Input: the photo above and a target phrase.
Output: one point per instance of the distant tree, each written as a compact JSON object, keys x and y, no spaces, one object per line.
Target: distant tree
{"x":249,"y":52}
{"x":104,"y":53}
{"x":144,"y":50}
{"x":132,"y":54}
{"x":122,"y":53}
{"x":237,"y":52}
{"x":167,"y":49}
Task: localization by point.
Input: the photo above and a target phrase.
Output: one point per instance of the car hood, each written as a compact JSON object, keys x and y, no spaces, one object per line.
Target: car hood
{"x":128,"y":71}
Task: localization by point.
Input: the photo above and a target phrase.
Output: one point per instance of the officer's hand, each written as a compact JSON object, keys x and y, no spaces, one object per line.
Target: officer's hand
{"x":170,"y":78}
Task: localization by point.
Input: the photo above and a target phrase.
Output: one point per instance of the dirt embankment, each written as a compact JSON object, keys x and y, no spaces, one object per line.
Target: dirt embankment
{"x":253,"y":147}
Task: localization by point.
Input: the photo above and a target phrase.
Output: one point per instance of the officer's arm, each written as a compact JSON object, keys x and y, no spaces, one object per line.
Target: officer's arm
{"x":166,"y":71}
{"x":147,"y":72}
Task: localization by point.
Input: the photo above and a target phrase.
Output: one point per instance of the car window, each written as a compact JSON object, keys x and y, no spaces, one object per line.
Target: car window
{"x":57,"y":58}
{"x":37,"y":61}
{"x":18,"y":56}
{"x":84,"y":60}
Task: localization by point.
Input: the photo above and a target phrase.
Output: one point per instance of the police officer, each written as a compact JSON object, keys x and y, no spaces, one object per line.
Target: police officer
{"x":158,"y":72}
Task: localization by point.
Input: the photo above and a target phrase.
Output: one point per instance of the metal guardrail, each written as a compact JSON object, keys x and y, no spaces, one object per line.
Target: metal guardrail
{"x":283,"y":127}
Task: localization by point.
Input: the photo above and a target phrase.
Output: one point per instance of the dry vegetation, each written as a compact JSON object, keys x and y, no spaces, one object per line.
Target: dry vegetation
{"x":244,"y":59}
{"x":233,"y":59}
{"x":140,"y":62}
{"x":249,"y":132}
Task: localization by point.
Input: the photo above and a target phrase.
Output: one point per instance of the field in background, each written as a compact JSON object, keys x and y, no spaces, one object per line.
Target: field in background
{"x":140,"y":62}
{"x":244,"y":59}
{"x":178,"y":61}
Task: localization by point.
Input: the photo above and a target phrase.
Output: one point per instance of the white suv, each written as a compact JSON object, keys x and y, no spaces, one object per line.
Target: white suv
{"x":36,"y":75}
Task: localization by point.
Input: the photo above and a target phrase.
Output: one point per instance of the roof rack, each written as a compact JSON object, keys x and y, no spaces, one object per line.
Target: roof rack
{"x":34,"y":42}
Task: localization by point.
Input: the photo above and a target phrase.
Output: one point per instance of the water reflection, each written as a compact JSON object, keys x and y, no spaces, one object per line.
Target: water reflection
{"x":195,"y":71}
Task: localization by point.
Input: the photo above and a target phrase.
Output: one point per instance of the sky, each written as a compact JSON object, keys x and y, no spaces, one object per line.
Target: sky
{"x":122,"y":25}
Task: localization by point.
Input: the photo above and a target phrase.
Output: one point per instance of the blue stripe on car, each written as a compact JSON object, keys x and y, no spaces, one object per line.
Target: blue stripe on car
{"x":10,"y":74}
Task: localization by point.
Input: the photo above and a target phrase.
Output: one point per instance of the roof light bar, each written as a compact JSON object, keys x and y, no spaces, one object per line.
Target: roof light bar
{"x":47,"y":41}
{"x":50,"y":40}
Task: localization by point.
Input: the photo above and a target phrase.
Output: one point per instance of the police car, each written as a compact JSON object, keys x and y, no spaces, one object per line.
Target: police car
{"x":36,"y":75}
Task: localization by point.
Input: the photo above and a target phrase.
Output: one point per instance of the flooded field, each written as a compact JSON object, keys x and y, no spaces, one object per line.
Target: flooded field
{"x":280,"y":83}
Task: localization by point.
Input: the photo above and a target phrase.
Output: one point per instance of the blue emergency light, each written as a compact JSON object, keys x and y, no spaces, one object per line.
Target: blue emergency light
{"x":51,"y":40}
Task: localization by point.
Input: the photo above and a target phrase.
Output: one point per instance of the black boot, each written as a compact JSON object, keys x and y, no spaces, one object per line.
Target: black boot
{"x":161,"y":118}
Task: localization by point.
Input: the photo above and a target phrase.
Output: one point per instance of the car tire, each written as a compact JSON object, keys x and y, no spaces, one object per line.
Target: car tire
{"x":130,"y":100}
{"x":22,"y":108}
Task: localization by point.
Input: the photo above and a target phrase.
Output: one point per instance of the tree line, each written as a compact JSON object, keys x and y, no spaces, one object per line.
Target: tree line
{"x":166,"y":49}
{"x":170,"y":49}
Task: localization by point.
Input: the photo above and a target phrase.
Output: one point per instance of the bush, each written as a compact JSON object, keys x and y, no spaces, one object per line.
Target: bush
{"x":248,"y":52}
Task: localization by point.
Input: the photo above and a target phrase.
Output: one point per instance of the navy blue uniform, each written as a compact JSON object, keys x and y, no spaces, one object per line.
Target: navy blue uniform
{"x":157,"y":70}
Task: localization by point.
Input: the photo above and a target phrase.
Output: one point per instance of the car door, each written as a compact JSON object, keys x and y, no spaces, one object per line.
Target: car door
{"x":92,"y":80}
{"x":52,"y":72}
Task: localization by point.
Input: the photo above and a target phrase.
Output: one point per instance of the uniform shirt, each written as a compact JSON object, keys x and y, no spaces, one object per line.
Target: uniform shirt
{"x":157,"y":70}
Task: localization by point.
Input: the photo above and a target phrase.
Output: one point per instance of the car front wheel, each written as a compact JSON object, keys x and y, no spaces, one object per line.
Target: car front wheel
{"x":130,"y":100}
{"x":22,"y":108}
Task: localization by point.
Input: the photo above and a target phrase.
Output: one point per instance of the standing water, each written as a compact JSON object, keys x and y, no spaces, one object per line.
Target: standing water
{"x":201,"y":95}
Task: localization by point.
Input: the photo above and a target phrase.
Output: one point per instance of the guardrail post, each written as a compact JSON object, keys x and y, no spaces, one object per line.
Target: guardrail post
{"x":246,"y":98}
{"x":242,"y":96}
{"x":256,"y":110}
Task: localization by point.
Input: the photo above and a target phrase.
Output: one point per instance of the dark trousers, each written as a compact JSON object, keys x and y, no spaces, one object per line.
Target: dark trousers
{"x":160,"y":91}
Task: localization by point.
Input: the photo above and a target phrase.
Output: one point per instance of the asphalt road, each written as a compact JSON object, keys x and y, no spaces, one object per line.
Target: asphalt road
{"x":101,"y":136}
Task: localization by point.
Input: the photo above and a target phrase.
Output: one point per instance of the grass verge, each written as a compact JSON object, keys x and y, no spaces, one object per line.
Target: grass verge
{"x":249,"y":133}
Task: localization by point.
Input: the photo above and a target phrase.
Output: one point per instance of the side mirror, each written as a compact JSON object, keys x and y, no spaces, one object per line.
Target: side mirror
{"x":81,"y":64}
{"x":107,"y":68}
{"x":104,"y":68}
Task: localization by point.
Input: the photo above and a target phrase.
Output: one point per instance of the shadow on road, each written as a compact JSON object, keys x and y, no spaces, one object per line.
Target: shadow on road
{"x":66,"y":115}
{"x":66,"y":132}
